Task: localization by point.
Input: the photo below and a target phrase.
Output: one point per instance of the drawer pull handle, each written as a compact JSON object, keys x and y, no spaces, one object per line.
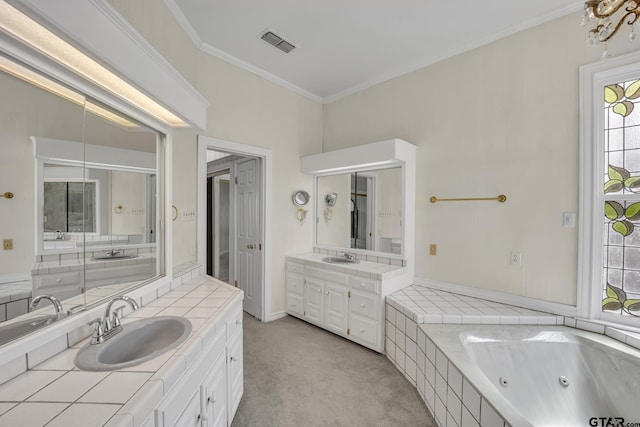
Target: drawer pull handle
{"x":362,"y":305}
{"x":361,"y":330}
{"x":326,"y":292}
{"x":233,"y":359}
{"x":363,"y":285}
{"x":293,"y":304}
{"x":294,"y":268}
{"x":320,"y":290}
{"x":58,"y":280}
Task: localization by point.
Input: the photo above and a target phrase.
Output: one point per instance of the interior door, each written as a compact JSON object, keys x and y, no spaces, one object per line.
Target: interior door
{"x":248,"y":266}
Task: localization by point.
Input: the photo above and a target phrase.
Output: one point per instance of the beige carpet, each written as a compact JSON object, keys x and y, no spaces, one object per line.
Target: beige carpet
{"x":298,"y":375}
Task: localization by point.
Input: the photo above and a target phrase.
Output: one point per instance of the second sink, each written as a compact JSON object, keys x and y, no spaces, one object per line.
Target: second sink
{"x":339,"y":260}
{"x":138,"y":342}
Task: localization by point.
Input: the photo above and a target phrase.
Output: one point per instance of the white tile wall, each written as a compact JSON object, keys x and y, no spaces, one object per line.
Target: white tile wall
{"x":449,"y":396}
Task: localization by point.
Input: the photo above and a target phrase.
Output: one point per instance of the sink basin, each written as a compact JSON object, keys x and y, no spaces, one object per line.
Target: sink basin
{"x":18,"y":329}
{"x":107,"y":257}
{"x":339,"y":260}
{"x":138,"y":342}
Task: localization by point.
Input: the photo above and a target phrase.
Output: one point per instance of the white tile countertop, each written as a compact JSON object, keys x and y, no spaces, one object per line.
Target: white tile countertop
{"x":426,"y":305}
{"x":369,"y":269}
{"x":56,"y":393}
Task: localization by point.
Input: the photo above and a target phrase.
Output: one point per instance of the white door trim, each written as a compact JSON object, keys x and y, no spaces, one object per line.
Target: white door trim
{"x":205,"y":143}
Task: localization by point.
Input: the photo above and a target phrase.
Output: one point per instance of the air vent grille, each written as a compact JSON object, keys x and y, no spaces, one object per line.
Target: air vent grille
{"x":277,"y":41}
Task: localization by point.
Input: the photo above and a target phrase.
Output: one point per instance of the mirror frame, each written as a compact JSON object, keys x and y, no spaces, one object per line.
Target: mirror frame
{"x":378,"y":155}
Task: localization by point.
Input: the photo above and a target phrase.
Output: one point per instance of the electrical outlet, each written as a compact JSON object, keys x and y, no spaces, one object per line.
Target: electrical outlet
{"x":433,"y":249}
{"x":7,"y":244}
{"x":569,"y":219}
{"x":516,"y":258}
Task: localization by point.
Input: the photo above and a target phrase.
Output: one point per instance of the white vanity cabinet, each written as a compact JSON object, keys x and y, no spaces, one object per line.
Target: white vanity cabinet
{"x":349,"y":303}
{"x":325,"y":299}
{"x":209,"y":393}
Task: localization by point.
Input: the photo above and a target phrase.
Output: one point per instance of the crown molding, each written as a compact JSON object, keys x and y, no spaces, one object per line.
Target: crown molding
{"x":97,"y":28}
{"x":184,"y":23}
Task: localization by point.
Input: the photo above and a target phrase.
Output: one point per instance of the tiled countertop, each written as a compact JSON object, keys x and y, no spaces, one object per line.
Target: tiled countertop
{"x":369,"y":269}
{"x":56,"y":393}
{"x":426,"y":305}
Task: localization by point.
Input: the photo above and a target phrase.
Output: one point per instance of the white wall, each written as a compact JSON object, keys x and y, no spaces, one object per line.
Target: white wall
{"x":244,"y":108}
{"x":500,"y":119}
{"x":128,"y":189}
{"x":335,"y":231}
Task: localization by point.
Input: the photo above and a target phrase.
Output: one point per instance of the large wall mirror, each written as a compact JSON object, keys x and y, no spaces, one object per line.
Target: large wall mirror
{"x":361,"y":210}
{"x":87,"y":184}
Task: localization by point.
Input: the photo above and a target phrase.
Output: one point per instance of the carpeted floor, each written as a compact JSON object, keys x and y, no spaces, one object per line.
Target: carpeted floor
{"x":296,"y":374}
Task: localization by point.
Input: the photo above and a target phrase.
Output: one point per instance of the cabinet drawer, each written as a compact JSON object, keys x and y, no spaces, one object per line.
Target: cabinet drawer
{"x":327,"y":275}
{"x":61,"y":279}
{"x":294,"y":304}
{"x":294,"y":267}
{"x":363,"y":330}
{"x":295,"y":283}
{"x":365,"y":284}
{"x":364,"y":304}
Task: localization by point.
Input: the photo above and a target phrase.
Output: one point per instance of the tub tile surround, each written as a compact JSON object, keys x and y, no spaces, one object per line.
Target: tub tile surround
{"x":449,"y":395}
{"x":55,"y":392}
{"x":426,"y":305}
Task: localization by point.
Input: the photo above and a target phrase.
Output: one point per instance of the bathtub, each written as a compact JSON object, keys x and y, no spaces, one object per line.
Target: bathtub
{"x":546,"y":375}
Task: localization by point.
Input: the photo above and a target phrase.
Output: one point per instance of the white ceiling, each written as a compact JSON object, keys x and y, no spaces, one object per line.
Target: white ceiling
{"x":343,"y":46}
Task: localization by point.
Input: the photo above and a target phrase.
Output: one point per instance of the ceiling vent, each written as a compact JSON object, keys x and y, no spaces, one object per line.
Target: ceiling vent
{"x":277,"y":41}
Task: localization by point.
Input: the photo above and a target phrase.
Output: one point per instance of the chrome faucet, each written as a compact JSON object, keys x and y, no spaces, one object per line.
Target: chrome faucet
{"x":54,"y":301}
{"x":349,"y":256}
{"x":113,"y":252}
{"x":110,"y":325}
{"x":59,"y":235}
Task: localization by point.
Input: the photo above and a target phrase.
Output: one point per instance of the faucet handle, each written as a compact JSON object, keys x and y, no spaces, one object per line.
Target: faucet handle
{"x":115,"y":319}
{"x":98,"y":331}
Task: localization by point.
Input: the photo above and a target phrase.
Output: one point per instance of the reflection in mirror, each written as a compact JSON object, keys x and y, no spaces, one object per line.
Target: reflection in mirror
{"x":366,"y":212}
{"x":69,"y":240}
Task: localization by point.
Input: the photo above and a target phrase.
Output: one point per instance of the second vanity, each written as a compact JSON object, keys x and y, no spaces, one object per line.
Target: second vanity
{"x":199,"y":383}
{"x":346,"y":299}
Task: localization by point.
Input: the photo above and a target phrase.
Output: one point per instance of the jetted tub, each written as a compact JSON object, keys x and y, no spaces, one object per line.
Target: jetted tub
{"x":546,"y":375}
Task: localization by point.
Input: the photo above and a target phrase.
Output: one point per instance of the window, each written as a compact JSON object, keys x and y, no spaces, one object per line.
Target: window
{"x":609,"y":276}
{"x":70,"y":206}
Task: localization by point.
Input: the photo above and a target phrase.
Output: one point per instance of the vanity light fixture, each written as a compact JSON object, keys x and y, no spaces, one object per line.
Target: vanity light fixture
{"x":19,"y":26}
{"x":38,"y":80}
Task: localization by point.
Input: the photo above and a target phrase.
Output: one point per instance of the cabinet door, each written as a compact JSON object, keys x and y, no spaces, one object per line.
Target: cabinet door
{"x":335,"y":308}
{"x":190,"y":416}
{"x":216,"y":393}
{"x":314,"y":301}
{"x":234,"y":376}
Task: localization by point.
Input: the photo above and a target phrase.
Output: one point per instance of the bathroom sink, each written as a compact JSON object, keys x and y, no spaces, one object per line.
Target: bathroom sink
{"x":18,"y":329}
{"x":339,"y":260}
{"x":138,"y":342}
{"x":107,"y":257}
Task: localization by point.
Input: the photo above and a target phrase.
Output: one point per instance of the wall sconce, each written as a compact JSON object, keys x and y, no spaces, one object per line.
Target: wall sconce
{"x":331,"y":202}
{"x":300,"y":198}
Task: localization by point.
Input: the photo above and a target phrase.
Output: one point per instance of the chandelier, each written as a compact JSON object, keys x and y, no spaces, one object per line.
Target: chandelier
{"x":609,"y":16}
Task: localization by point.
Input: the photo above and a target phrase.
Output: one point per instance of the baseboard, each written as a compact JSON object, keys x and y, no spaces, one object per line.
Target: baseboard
{"x":275,"y":316}
{"x":517,"y":300}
